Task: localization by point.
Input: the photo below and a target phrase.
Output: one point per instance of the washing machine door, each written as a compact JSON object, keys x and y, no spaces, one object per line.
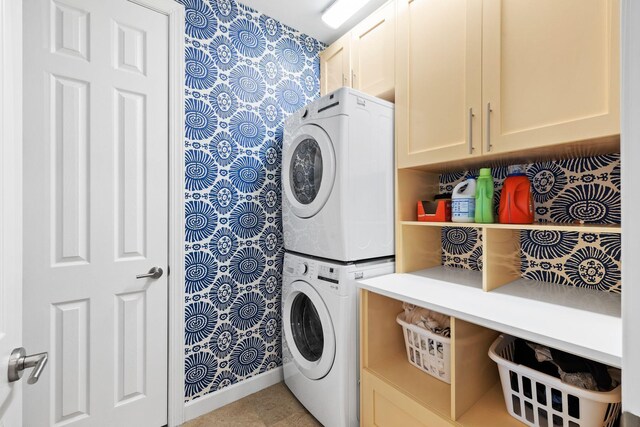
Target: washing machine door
{"x":309,"y":170}
{"x":309,"y":330}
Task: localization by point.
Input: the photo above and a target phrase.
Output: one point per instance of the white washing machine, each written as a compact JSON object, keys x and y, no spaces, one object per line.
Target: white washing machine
{"x":320,"y":334}
{"x":338,"y":178}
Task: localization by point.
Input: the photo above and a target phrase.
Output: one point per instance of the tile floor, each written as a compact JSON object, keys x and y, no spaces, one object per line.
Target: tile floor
{"x":272,"y":407}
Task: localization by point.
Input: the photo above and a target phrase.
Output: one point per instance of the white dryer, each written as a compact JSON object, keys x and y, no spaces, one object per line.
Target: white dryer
{"x":338,"y":178}
{"x":320,"y":334}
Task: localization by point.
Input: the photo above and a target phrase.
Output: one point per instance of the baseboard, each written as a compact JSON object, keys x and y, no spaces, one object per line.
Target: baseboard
{"x":234,"y":392}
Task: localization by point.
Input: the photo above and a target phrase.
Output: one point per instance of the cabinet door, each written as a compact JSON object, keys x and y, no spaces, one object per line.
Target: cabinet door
{"x":383,"y":405}
{"x":335,"y":65}
{"x":438,"y":80}
{"x":550,"y":72}
{"x":373,"y":53}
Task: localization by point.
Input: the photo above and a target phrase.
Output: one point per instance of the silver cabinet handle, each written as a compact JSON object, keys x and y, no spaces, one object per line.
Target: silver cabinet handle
{"x":154,"y":273}
{"x":471,"y":116}
{"x":19,"y":361}
{"x":489,"y":111}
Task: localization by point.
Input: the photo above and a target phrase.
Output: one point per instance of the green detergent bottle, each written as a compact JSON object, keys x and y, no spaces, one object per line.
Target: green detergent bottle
{"x":484,"y":197}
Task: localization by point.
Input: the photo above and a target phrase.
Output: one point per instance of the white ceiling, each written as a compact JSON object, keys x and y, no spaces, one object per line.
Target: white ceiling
{"x":305,"y":15}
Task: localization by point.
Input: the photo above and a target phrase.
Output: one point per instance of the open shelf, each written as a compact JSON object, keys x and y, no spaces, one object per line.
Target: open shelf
{"x":482,"y":304}
{"x":389,"y":379}
{"x":580,"y":228}
{"x":459,"y":276}
{"x":384,"y":355}
{"x":489,"y":411}
{"x":580,"y":321}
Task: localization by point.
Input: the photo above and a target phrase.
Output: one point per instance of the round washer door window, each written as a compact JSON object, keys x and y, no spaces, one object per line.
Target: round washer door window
{"x":308,"y":170}
{"x":305,"y":174}
{"x":306,"y":328}
{"x":309,"y":331}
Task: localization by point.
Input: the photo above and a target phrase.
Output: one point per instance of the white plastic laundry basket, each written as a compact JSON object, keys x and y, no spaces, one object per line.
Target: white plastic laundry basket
{"x":538,"y":399}
{"x":427,"y":351}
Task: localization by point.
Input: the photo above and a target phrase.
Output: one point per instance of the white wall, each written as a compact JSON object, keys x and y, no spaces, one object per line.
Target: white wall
{"x":630,"y":41}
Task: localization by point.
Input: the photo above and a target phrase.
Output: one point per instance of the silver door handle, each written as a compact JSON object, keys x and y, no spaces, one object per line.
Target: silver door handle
{"x":471,"y":116}
{"x":154,"y":273}
{"x":19,"y":361}
{"x":489,"y":111}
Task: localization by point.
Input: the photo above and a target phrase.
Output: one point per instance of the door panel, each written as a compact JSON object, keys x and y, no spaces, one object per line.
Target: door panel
{"x":69,"y":170}
{"x":130,"y":163}
{"x":70,"y":368}
{"x":335,"y":65}
{"x":438,"y":80}
{"x":554,"y":84}
{"x":373,"y":46}
{"x":96,"y":205}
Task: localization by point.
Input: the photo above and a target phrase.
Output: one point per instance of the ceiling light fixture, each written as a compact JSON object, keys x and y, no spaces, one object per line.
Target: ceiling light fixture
{"x":341,"y":10}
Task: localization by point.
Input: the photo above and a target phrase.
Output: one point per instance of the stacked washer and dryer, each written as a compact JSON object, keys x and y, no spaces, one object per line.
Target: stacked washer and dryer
{"x":338,"y":219}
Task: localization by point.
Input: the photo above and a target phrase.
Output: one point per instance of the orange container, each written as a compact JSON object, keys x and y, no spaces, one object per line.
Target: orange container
{"x":438,"y":211}
{"x":516,"y":201}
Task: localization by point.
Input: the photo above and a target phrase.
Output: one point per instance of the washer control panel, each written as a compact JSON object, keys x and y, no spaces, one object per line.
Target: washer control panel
{"x":328,"y":274}
{"x":296,"y":268}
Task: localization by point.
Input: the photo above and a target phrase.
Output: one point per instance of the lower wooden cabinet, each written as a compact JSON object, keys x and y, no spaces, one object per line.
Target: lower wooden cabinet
{"x":383,"y":405}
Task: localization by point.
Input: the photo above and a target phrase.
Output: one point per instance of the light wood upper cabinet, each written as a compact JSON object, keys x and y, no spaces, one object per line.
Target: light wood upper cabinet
{"x":534,"y":73}
{"x":363,"y":58}
{"x":335,"y":65}
{"x":550,"y":72}
{"x":373,"y":53}
{"x":438,"y":80}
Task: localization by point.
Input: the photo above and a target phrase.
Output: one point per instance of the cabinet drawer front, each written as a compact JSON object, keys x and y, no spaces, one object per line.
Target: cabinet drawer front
{"x":384,"y":406}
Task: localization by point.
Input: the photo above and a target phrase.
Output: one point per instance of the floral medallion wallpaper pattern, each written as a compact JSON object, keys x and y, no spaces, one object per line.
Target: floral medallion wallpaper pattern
{"x":581,"y":189}
{"x":244,"y":73}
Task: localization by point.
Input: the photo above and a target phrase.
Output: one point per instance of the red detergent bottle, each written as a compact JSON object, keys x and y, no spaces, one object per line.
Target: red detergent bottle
{"x":516,"y":199}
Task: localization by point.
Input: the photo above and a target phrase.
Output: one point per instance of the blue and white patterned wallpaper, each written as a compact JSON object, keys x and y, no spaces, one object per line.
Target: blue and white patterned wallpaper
{"x":245,"y":72}
{"x":565,"y":191}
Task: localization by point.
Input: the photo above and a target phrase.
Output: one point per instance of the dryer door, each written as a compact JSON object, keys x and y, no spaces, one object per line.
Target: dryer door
{"x":308,"y":171}
{"x":309,"y":331}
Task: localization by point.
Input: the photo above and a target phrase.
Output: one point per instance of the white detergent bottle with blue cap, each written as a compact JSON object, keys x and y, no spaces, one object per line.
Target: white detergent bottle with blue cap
{"x":463,"y":201}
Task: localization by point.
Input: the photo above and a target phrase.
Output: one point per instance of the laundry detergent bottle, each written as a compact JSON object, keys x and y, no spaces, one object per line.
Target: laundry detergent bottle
{"x":484,"y":197}
{"x":463,"y":201}
{"x":516,"y":199}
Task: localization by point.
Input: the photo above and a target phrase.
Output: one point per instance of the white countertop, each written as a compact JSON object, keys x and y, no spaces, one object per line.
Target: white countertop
{"x":580,"y":321}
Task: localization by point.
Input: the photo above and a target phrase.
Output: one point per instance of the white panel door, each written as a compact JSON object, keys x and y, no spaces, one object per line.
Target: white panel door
{"x":10,"y":204}
{"x":96,"y":207}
